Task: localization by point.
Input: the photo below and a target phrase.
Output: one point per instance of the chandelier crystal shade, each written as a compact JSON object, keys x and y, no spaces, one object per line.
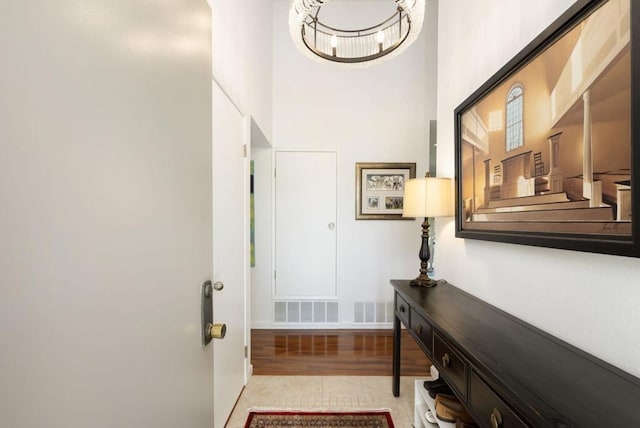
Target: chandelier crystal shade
{"x":362,"y":47}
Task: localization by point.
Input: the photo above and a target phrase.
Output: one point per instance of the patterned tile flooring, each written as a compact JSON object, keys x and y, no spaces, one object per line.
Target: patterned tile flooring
{"x":326,"y":392}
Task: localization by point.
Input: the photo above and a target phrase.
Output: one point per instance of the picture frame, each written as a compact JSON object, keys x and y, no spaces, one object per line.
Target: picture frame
{"x":380,"y":189}
{"x":546,"y":151}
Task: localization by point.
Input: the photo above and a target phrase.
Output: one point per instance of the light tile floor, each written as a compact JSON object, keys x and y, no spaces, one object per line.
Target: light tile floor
{"x":326,"y":392}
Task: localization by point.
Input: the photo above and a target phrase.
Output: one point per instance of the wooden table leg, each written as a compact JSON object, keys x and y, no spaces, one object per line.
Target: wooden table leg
{"x":396,"y":356}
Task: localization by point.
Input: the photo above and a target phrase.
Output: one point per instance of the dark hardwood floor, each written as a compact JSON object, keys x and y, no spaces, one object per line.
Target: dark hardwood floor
{"x":333,"y":352}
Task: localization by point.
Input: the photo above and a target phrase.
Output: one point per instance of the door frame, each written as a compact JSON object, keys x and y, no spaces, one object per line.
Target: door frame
{"x":246,"y":274}
{"x":246,"y":166}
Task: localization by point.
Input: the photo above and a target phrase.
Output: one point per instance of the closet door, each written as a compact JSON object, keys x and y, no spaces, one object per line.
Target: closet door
{"x":305,"y":224}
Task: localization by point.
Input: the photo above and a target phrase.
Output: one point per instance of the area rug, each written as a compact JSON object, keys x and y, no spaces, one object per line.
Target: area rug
{"x":304,"y":419}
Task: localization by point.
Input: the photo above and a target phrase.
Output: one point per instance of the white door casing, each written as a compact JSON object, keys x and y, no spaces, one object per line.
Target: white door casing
{"x":305,"y":224}
{"x":230,"y":251}
{"x":105,"y":181}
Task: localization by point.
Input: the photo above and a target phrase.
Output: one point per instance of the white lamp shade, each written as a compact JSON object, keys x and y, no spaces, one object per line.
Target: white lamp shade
{"x":428,"y":197}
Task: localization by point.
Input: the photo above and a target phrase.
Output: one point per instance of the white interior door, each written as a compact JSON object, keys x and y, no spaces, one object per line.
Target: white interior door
{"x":305,"y":224}
{"x":105,"y":219}
{"x":230,"y":243}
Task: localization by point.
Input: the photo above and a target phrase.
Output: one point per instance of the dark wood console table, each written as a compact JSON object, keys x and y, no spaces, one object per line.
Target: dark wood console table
{"x":509,"y":373}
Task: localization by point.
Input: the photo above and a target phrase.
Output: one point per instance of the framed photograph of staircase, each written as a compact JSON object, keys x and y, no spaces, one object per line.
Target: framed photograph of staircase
{"x":547,"y":153}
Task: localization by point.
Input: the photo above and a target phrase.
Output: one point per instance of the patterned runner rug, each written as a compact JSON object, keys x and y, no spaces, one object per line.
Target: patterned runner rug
{"x":291,"y":419}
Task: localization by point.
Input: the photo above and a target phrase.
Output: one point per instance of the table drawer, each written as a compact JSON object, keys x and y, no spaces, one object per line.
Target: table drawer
{"x":488,"y":408}
{"x":402,"y":309}
{"x":451,"y":365}
{"x":423,"y":330}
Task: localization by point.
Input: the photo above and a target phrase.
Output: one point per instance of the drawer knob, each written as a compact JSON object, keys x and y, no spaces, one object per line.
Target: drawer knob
{"x":446,"y":360}
{"x":419,"y":329}
{"x":496,"y":419}
{"x":402,"y":308}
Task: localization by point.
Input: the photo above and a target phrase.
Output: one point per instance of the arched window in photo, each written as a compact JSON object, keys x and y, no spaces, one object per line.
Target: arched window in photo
{"x":514,"y":120}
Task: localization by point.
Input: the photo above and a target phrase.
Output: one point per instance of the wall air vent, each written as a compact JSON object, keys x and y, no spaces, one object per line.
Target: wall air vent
{"x":372,"y":312}
{"x":305,"y":312}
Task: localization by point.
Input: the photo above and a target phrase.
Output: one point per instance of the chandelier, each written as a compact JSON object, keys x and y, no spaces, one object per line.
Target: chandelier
{"x":354,"y":47}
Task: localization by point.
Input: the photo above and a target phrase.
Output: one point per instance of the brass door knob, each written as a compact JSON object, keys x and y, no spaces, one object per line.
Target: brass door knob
{"x":215,"y":331}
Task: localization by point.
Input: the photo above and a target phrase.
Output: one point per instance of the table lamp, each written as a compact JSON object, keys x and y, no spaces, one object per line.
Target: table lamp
{"x":427,"y":197}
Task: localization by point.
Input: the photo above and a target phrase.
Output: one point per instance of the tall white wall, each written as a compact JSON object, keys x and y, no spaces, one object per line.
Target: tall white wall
{"x":242,"y":66}
{"x":377,"y":114}
{"x":588,"y":300}
{"x":241,"y":52}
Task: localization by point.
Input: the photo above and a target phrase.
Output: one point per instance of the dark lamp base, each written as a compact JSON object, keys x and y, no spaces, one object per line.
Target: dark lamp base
{"x":423,"y":282}
{"x":424,"y":255}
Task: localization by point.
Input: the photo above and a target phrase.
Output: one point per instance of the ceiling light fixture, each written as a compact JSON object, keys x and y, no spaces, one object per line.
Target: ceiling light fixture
{"x":354,"y":47}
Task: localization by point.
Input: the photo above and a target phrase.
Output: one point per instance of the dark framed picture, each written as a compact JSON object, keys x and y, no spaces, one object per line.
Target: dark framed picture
{"x":547,"y":150}
{"x":380,"y":189}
